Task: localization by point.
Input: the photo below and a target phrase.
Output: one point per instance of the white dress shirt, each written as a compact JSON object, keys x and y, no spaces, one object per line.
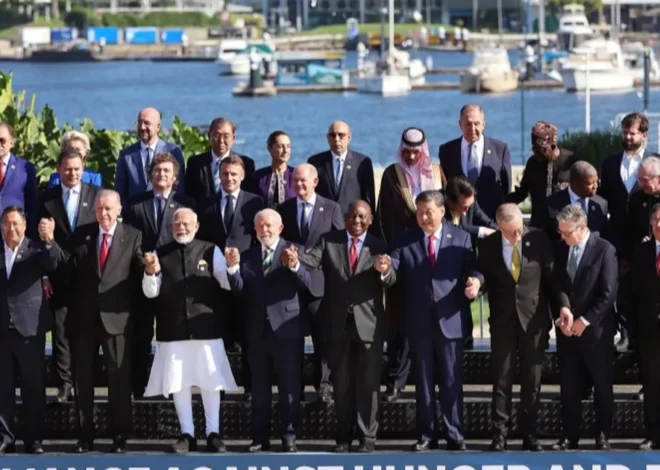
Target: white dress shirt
{"x":151,"y":282}
{"x":575,"y":199}
{"x":630,"y":168}
{"x":110,"y":238}
{"x":309,"y":211}
{"x":507,"y":252}
{"x":217,"y":160}
{"x":657,"y":248}
{"x":466,"y":149}
{"x":223,"y":202}
{"x":73,"y":194}
{"x":10,"y":257}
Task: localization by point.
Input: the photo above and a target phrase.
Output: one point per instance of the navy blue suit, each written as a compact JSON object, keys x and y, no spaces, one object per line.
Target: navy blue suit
{"x":20,"y":189}
{"x":276,"y":326}
{"x":434,"y":311}
{"x":495,"y":179}
{"x":129,"y":176}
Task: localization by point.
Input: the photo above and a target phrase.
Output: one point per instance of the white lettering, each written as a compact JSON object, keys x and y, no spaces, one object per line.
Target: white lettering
{"x":330,"y":467}
{"x":616,"y":467}
{"x":172,"y":468}
{"x":648,"y":467}
{"x":557,"y":467}
{"x":228,"y":468}
{"x":517,"y":467}
{"x":492,"y":467}
{"x":203,"y":468}
{"x":464,"y":467}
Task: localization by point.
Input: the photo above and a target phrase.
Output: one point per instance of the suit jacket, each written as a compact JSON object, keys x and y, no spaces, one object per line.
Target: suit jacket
{"x":361,"y":291}
{"x":325,"y":218}
{"x":525,"y":301}
{"x":638,"y":224}
{"x":141,"y":215}
{"x":113,"y":292}
{"x":494,"y":181}
{"x":273,"y":298}
{"x":20,"y":189}
{"x":261,"y":183}
{"x":89,"y":176}
{"x":615,"y":193}
{"x":591,"y":295}
{"x":241,"y":234}
{"x":21,"y":295}
{"x":357,"y":179}
{"x":434,"y":297}
{"x":474,"y":218}
{"x":645,"y":293}
{"x":596,"y":217}
{"x":200,"y":183}
{"x":129,"y":177}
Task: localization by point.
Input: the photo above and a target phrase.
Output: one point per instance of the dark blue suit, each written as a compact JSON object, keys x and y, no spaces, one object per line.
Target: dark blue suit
{"x":129,"y":176}
{"x":275,"y":329}
{"x":89,"y":176}
{"x":434,"y":311}
{"x":20,"y":189}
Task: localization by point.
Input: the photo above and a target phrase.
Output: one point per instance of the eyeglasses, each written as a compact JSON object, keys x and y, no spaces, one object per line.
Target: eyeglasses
{"x":341,"y":135}
{"x":3,"y":141}
{"x":218,"y":136}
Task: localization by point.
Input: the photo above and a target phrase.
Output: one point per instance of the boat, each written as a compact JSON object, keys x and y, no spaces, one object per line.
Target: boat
{"x":574,"y":28}
{"x":491,"y":72}
{"x":633,"y":58}
{"x":227,"y":52}
{"x":240,"y":65}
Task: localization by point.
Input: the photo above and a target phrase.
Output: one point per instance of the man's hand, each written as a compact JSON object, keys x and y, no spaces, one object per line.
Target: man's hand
{"x":645,"y":239}
{"x":565,"y":321}
{"x":578,"y":327}
{"x":291,"y":255}
{"x":472,"y":287}
{"x":233,"y":257}
{"x":383,"y":264}
{"x":151,"y":263}
{"x":47,"y":229}
{"x":487,"y":231}
{"x":48,"y":287}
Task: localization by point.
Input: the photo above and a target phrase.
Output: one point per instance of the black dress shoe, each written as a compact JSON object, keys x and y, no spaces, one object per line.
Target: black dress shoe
{"x":366,"y":446}
{"x":532,"y":444}
{"x":565,"y":444}
{"x":34,"y":448}
{"x":118,"y":445}
{"x":602,"y":443}
{"x":7,"y":448}
{"x":468,"y":343}
{"x":342,"y":448}
{"x":186,"y":443}
{"x":256,"y":446}
{"x":392,"y":394}
{"x":423,"y":446}
{"x":214,"y":444}
{"x":289,"y":446}
{"x":649,"y":444}
{"x":82,"y":447}
{"x":247,"y":396}
{"x":324,"y":395}
{"x":64,"y":394}
{"x":588,"y":393}
{"x":498,"y":444}
{"x":456,"y":445}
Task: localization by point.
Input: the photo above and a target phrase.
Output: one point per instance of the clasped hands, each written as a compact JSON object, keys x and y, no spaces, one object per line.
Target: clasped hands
{"x":47,"y":229}
{"x":290,"y":257}
{"x":569,"y":326}
{"x":151,"y":263}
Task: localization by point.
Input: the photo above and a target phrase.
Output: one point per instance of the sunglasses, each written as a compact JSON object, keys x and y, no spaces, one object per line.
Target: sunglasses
{"x":341,"y":135}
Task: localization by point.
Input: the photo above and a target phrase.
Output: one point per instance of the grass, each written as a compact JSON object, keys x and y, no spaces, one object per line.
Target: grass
{"x":399,"y":28}
{"x":13,"y":33}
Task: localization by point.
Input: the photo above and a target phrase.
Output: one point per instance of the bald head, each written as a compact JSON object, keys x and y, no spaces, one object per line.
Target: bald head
{"x":148,"y":125}
{"x":339,"y":136}
{"x":510,"y":222}
{"x":305,"y":179}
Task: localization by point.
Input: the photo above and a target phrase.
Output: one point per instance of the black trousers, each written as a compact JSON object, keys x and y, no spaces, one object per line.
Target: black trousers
{"x":509,"y":346}
{"x":321,"y":354}
{"x":356,"y":367}
{"x":649,"y":350}
{"x":143,"y":334}
{"x":62,"y":334}
{"x":398,"y":360}
{"x":26,"y":355}
{"x":117,"y":358}
{"x":235,"y":333}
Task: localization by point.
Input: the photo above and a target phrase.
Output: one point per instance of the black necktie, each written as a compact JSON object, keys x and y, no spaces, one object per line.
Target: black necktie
{"x":304,"y":224}
{"x":229,"y":212}
{"x":160,"y":207}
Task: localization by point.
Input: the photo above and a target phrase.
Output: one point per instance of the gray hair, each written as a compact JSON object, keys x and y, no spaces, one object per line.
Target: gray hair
{"x":572,"y":214}
{"x":311,"y":169}
{"x":68,"y":136}
{"x":467,"y":107}
{"x":185,"y":210}
{"x":652,"y":165}
{"x":266,"y":213}
{"x":582,"y":170}
{"x":507,"y":212}
{"x":431,"y":195}
{"x":107,"y":193}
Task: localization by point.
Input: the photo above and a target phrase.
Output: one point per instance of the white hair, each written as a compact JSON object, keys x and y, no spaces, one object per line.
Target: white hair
{"x":507,"y":212}
{"x":268,"y":213}
{"x":185,"y":210}
{"x":572,"y":214}
{"x":68,"y":136}
{"x":652,"y":165}
{"x":107,"y":193}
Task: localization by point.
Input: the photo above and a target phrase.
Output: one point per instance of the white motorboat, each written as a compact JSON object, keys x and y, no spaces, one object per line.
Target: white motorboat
{"x":491,"y":72}
{"x":240,"y":65}
{"x":604,"y":61}
{"x":574,"y":27}
{"x":227,"y":53}
{"x":633,"y":58}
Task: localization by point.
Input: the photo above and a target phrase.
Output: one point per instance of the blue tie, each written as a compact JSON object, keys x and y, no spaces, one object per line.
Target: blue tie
{"x":338,"y":172}
{"x":71,"y":209}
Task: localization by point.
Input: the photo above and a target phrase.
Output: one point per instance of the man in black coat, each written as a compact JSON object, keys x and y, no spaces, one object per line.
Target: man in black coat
{"x":203,"y":170}
{"x":71,"y":205}
{"x":24,"y":319}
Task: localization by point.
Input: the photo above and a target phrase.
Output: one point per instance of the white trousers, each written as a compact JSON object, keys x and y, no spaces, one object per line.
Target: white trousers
{"x":183,"y":405}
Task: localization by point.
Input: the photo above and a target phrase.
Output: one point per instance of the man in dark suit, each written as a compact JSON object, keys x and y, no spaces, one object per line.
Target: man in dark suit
{"x":274,"y":183}
{"x":152,"y":214}
{"x":275,"y":326}
{"x":203,"y":173}
{"x":438,"y":271}
{"x":645,"y":303}
{"x":517,"y":264}
{"x":484,"y":161}
{"x":24,"y":319}
{"x":344,"y":175}
{"x":353,"y":313}
{"x":132,"y":177}
{"x":71,"y":205}
{"x":583,"y":183}
{"x":18,"y":180}
{"x":107,"y":268}
{"x":306,"y":219}
{"x":586,"y":272}
{"x":637,"y":228}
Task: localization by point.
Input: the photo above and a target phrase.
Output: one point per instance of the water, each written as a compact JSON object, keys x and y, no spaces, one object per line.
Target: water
{"x":112,"y":93}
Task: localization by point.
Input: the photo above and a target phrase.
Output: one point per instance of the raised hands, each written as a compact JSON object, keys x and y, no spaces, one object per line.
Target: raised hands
{"x":151,"y":263}
{"x":290,"y":257}
{"x":47,"y":229}
{"x":383,"y":264}
{"x":233,"y":256}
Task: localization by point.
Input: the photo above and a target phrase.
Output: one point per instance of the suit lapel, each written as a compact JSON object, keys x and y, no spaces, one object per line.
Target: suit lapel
{"x":587,"y":258}
{"x":317,"y":215}
{"x":330,"y":174}
{"x":9,"y":172}
{"x":488,"y":159}
{"x":276,"y":258}
{"x":137,"y":161}
{"x":445,"y":240}
{"x":3,"y":265}
{"x":458,"y":162}
{"x":365,"y":254}
{"x":149,"y":208}
{"x":171,"y":205}
{"x":85,"y":205}
{"x":59,"y":211}
{"x":342,"y":248}
{"x":207,"y":170}
{"x":20,"y":256}
{"x":237,"y":219}
{"x":346,"y":170}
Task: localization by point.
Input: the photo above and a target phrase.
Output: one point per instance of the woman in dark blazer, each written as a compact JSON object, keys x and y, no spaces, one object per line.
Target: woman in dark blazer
{"x":264,"y":181}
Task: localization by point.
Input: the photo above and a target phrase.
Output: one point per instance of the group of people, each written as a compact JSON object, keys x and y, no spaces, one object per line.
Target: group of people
{"x":224,"y":256}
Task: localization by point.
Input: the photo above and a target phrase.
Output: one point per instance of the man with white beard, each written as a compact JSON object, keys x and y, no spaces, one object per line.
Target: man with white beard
{"x":185,"y":276}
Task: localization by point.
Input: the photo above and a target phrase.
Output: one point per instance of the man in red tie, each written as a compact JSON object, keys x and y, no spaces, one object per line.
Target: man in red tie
{"x":645,"y":305}
{"x":106,"y":270}
{"x":353,"y":314}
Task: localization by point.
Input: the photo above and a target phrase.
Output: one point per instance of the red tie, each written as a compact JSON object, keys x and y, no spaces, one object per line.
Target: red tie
{"x":431,"y":250}
{"x":657,"y":264}
{"x":2,"y":173}
{"x":103,"y":252}
{"x":353,"y":254}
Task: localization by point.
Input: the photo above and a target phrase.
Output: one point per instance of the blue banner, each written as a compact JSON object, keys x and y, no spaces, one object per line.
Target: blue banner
{"x":324,"y":461}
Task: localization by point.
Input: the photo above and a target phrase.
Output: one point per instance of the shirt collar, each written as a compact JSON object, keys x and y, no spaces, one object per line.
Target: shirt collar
{"x":639,"y":155}
{"x":272,"y":247}
{"x":163,"y":195}
{"x":435,"y":234}
{"x":341,"y":157}
{"x":6,"y":159}
{"x":235,"y":193}
{"x":111,"y":231}
{"x":583,"y":243}
{"x":361,"y":237}
{"x":506,"y":242}
{"x":216,"y":158}
{"x":574,"y":197}
{"x":144,"y":147}
{"x":76,"y":189}
{"x":312,"y":200}
{"x":479,"y":143}
{"x":9,"y":250}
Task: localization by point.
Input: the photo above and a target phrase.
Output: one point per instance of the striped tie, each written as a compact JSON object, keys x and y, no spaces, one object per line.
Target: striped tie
{"x":267,"y":263}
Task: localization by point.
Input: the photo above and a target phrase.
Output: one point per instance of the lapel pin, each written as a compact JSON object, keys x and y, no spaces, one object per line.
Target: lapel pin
{"x":13,"y":167}
{"x":321,"y":209}
{"x":488,"y":151}
{"x":84,"y":204}
{"x":449,"y":235}
{"x":19,"y":256}
{"x":172,"y":206}
{"x":526,"y":243}
{"x":348,"y":167}
{"x":88,"y":238}
{"x":644,"y":205}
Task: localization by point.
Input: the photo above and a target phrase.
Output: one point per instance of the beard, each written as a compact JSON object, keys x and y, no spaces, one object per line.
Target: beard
{"x":185,"y":239}
{"x":628,"y":146}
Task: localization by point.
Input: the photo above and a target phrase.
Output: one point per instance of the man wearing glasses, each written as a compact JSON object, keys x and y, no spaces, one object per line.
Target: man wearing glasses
{"x":344,"y":174}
